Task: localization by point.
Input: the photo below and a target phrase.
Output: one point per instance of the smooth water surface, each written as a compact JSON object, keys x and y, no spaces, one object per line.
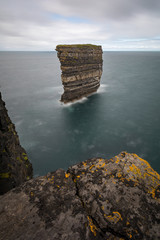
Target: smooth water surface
{"x":123,"y":116}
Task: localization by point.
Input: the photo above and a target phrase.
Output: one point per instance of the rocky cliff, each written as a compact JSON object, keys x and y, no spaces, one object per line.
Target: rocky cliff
{"x":116,"y":199}
{"x":97,"y":199}
{"x":15,"y":167}
{"x":81,"y":67}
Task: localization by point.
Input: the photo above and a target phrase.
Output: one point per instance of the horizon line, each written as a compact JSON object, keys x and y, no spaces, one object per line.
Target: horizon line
{"x":106,"y":50}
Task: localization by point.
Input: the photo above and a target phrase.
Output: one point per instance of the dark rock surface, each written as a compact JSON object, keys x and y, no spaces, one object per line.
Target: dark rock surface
{"x":98,"y":199}
{"x":81,"y":67}
{"x":15,"y":167}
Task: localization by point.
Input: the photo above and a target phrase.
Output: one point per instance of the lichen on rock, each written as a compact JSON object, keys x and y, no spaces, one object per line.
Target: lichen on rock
{"x":116,"y":198}
{"x":81,"y":66}
{"x":15,"y":167}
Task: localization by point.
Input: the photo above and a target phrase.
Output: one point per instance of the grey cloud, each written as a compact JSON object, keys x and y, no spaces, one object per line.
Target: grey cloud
{"x":21,"y":10}
{"x":33,"y":10}
{"x":104,"y":9}
{"x":31,"y":24}
{"x":8,"y":31}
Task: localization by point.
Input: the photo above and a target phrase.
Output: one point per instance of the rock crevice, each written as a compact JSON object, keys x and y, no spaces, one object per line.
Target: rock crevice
{"x":94,"y":225}
{"x":81,"y":67}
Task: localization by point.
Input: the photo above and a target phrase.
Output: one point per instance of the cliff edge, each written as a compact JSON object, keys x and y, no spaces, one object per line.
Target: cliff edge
{"x":15,"y":167}
{"x":116,"y":199}
{"x":81,"y":66}
{"x":97,"y":199}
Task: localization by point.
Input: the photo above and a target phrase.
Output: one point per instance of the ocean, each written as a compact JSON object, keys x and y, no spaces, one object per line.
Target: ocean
{"x":124,"y":115}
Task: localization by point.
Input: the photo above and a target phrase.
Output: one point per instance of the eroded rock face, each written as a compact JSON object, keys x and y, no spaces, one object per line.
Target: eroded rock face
{"x":15,"y":167}
{"x":121,"y":194}
{"x":81,"y":67}
{"x":97,"y":199}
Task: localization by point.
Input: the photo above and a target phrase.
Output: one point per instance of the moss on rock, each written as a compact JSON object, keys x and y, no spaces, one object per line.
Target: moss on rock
{"x":81,"y":46}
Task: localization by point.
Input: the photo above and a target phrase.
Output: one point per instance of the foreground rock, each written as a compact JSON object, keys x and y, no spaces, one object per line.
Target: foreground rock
{"x":15,"y":167}
{"x":81,"y":67}
{"x":96,"y":199}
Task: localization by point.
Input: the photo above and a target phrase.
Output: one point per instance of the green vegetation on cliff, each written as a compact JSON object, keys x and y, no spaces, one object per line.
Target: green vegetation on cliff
{"x":78,"y":46}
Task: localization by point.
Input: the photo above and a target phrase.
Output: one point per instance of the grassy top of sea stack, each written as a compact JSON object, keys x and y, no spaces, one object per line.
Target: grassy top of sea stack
{"x":91,"y":46}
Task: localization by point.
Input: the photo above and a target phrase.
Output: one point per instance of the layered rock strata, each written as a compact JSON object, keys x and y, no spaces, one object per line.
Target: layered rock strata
{"x":15,"y":167}
{"x":81,"y":67}
{"x":97,"y":199}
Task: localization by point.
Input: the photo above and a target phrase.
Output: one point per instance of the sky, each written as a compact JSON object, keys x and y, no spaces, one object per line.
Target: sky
{"x":40,"y":25}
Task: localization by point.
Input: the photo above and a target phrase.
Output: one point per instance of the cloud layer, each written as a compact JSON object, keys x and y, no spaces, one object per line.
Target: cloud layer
{"x":116,"y":24}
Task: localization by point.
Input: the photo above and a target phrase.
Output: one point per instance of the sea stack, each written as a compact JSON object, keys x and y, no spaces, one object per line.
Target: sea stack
{"x":15,"y":167}
{"x":81,"y":66}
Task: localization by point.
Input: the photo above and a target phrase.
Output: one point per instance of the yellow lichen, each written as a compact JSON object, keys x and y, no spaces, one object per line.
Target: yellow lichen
{"x":129,"y":233}
{"x":100,"y":164}
{"x":113,"y":181}
{"x":119,"y":175}
{"x":91,"y":166}
{"x":67,"y":175}
{"x":114,"y":218}
{"x":147,"y":174}
{"x":51,"y":179}
{"x":117,"y":159}
{"x":103,"y":165}
{"x":92,"y":226}
{"x":152,"y":192}
{"x":133,"y":168}
{"x":32,"y":194}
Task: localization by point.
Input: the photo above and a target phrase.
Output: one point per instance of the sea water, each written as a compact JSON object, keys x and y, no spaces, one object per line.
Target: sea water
{"x":124,"y":115}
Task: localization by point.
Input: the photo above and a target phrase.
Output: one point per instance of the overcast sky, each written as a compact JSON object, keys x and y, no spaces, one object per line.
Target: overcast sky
{"x":114,"y":24}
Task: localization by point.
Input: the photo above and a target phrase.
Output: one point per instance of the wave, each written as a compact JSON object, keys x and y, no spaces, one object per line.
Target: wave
{"x":102,"y":88}
{"x":81,"y":101}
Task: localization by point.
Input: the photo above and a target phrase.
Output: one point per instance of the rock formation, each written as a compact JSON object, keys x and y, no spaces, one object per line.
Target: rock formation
{"x":97,"y":199}
{"x":116,"y":199}
{"x":15,"y":167}
{"x":81,"y":67}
